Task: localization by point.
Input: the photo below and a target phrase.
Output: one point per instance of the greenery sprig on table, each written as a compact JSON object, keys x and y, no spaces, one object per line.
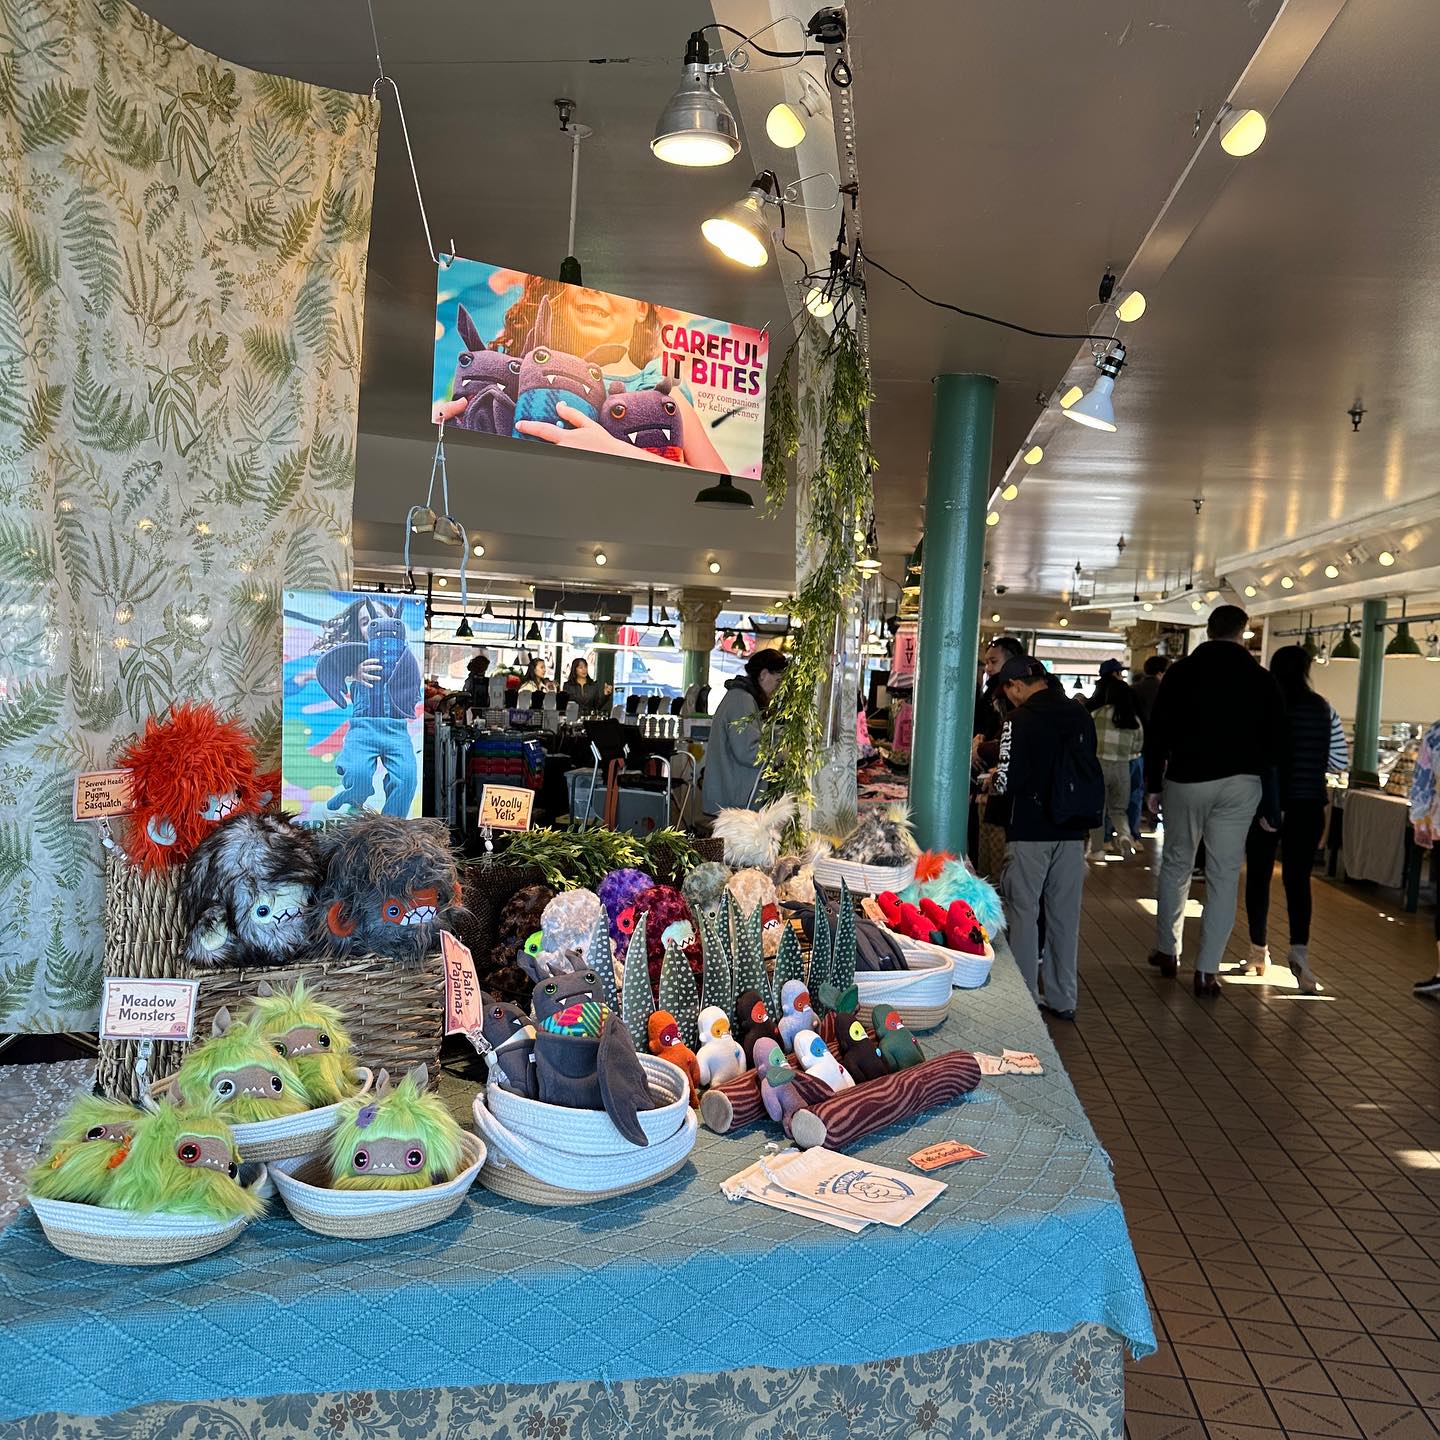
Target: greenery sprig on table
{"x":838,"y":498}
{"x":582,"y":855}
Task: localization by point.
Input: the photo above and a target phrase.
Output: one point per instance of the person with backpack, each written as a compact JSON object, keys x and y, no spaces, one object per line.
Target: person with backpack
{"x":1216,"y":734}
{"x":1049,"y":791}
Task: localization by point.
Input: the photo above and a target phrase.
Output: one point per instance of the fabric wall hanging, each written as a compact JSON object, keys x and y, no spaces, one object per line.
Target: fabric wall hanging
{"x":182,"y":274}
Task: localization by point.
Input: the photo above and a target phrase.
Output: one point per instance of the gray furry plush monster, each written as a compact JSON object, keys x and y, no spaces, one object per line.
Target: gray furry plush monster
{"x":247,"y":893}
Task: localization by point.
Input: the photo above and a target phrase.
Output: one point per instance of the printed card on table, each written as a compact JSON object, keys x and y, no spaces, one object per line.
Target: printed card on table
{"x":947,"y":1152}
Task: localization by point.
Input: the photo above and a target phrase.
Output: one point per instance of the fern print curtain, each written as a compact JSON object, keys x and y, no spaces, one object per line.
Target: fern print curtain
{"x":182,"y":271}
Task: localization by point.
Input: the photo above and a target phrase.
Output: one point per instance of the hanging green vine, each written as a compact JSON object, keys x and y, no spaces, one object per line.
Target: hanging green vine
{"x":837,"y":499}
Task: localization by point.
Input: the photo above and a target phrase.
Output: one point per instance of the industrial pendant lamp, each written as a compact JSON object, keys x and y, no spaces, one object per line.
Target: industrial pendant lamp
{"x":726,"y":495}
{"x":533,"y":633}
{"x":696,"y":127}
{"x":1346,"y":648}
{"x":667,"y":640}
{"x":1404,"y":646}
{"x":1308,"y":645}
{"x":741,"y":232}
{"x":1096,"y":410}
{"x":488,"y":613}
{"x":868,"y":561}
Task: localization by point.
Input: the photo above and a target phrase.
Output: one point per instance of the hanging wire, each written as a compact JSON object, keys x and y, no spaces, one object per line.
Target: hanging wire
{"x":383,"y":79}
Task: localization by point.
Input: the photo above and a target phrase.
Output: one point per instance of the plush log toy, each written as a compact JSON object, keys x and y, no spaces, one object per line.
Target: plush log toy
{"x":665,"y":1041}
{"x":91,"y":1140}
{"x":399,"y":1138}
{"x":182,"y":1161}
{"x":238,"y":1071}
{"x":311,"y":1036}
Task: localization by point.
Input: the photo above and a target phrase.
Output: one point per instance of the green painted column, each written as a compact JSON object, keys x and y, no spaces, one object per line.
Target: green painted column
{"x":1365,"y":763}
{"x":697,"y":667}
{"x":955,"y":495}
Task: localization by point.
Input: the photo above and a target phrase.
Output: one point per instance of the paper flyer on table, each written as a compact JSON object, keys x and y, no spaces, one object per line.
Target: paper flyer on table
{"x":756,"y":1182}
{"x":856,"y":1188}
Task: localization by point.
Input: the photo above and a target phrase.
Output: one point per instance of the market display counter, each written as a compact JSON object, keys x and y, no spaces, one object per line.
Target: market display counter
{"x":1377,"y":842}
{"x":671,"y":1312}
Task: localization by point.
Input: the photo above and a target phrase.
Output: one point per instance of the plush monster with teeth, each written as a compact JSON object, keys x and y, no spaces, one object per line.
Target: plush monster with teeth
{"x":647,"y":419}
{"x":390,"y":887}
{"x":486,"y":383}
{"x":240,"y":1073}
{"x":311,"y":1036}
{"x":399,"y":1138}
{"x":550,"y":378}
{"x":87,"y":1146}
{"x":247,"y":892}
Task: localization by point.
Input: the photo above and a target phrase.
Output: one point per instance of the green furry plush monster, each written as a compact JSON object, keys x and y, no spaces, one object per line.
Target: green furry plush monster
{"x":399,"y":1138}
{"x":182,"y":1161}
{"x":88,"y":1144}
{"x":311,"y":1036}
{"x":238,"y":1070}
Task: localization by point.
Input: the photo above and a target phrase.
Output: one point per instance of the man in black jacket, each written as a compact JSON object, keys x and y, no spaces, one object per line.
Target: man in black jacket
{"x":1211,"y":748}
{"x":1044,"y":859}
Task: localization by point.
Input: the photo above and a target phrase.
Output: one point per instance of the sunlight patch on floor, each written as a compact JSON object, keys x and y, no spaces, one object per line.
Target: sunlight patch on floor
{"x":1193,"y":910}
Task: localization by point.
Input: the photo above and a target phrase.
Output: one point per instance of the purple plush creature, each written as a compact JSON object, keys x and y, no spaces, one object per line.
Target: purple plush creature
{"x":777,"y":1092}
{"x":617,"y":892}
{"x":550,"y":378}
{"x":648,"y":419}
{"x":487,"y":380}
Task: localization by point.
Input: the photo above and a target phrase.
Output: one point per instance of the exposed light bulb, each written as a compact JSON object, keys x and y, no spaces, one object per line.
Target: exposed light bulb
{"x":601,"y":558}
{"x":1197,"y":606}
{"x":993,"y":518}
{"x":1034,"y":455}
{"x":477,"y":550}
{"x":1332,"y":572}
{"x":818,"y":303}
{"x":1131,"y":306}
{"x":1251,"y":592}
{"x":1243,"y":133}
{"x":1070,"y":397}
{"x":1287,"y":582}
{"x":1010,"y":491}
{"x":995,"y":618}
{"x":1247,"y":634}
{"x":1063,"y":622}
{"x":784,"y":127}
{"x":1147,"y":606}
{"x":442,"y":582}
{"x":714,"y":567}
{"x":1386,"y":558}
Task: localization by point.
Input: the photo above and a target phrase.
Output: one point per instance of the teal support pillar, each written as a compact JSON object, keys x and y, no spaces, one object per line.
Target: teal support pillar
{"x":1365,"y":763}
{"x":955,"y":496}
{"x":697,"y":668}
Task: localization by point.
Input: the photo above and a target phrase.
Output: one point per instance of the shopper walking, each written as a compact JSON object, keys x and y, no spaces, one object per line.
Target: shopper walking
{"x":732,"y":758}
{"x":1119,"y":738}
{"x":1312,"y":744}
{"x":1215,"y":736}
{"x":1145,"y":690}
{"x":1425,"y":818}
{"x":1049,"y":790}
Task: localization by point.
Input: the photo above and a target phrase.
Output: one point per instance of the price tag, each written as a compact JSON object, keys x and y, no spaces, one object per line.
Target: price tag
{"x":148,"y":1009}
{"x":462,"y":989}
{"x":506,"y":807}
{"x":99,"y":794}
{"x":947,"y":1152}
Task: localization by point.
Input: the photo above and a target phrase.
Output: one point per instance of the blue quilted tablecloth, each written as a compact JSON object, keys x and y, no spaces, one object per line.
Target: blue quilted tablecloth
{"x":671,"y":1281}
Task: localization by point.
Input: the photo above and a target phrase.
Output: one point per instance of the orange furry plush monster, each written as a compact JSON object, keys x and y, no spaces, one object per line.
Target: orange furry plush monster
{"x":188,"y":772}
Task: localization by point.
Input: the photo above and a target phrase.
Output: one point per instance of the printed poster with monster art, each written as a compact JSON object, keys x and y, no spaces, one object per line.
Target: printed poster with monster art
{"x":530,"y":358}
{"x":353,"y":723}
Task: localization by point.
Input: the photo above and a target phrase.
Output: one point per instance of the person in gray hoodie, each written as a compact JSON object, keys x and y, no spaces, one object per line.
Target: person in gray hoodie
{"x":732,"y":758}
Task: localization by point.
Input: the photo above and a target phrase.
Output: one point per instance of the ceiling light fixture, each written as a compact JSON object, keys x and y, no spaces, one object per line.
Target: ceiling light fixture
{"x":995,"y":618}
{"x":741,"y":231}
{"x":696,"y":127}
{"x":463,"y":630}
{"x":1287,"y":582}
{"x":1308,"y":644}
{"x":1070,"y":397}
{"x":1346,"y":648}
{"x":1034,"y":455}
{"x":1010,"y":491}
{"x":488,"y":613}
{"x":724,"y":495}
{"x":534,"y":632}
{"x":1242,"y":132}
{"x":1403,"y":646}
{"x":1147,"y":607}
{"x":601,"y":558}
{"x":819,"y":302}
{"x":477,"y":550}
{"x":442,"y":582}
{"x":667,"y":640}
{"x":868,"y":560}
{"x":1386,"y":558}
{"x":1251,"y":592}
{"x":1097,"y":410}
{"x":1332,"y":572}
{"x":714,"y":567}
{"x":1131,"y":306}
{"x":784,"y":127}
{"x":1063,"y":622}
{"x":1247,"y":634}
{"x":993,"y":518}
{"x":1197,"y":606}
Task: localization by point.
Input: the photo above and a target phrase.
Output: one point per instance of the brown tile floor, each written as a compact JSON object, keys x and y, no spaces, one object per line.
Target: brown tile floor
{"x":1279,"y":1160}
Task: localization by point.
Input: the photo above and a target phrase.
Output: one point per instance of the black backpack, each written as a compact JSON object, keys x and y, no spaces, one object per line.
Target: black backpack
{"x":1077,"y":786}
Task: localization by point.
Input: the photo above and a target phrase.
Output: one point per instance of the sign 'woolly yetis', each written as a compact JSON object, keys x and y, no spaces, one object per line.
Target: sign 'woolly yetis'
{"x":247,"y":893}
{"x":238,"y":1071}
{"x":311,"y":1036}
{"x":399,"y":1138}
{"x":390,"y":886}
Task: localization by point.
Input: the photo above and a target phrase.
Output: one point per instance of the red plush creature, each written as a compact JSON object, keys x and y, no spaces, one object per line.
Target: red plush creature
{"x":666,"y":1043}
{"x":188,"y":772}
{"x":955,"y":929}
{"x":963,"y":930}
{"x":667,"y":917}
{"x":909,"y":920}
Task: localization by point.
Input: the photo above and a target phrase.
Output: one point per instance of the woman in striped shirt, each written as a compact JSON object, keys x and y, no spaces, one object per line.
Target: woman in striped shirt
{"x":1119,"y":739}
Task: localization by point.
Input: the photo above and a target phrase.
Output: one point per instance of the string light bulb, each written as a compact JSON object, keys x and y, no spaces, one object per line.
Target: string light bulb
{"x":784,"y":127}
{"x":1332,"y":572}
{"x":1251,"y":592}
{"x":1386,"y":558}
{"x":993,"y":518}
{"x":1131,"y":306}
{"x":1010,"y":491}
{"x":1242,"y":133}
{"x":1287,"y":582}
{"x":1034,"y":455}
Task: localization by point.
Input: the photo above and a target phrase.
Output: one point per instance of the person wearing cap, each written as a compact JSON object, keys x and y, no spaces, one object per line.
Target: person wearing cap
{"x":732,"y":758}
{"x":1046,"y":738}
{"x":1107,"y":669}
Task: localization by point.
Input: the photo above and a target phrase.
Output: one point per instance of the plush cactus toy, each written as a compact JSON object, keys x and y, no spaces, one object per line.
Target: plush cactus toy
{"x":789,"y":965}
{"x":183,"y":1161}
{"x":311,"y":1036}
{"x":91,"y":1140}
{"x":600,"y":957}
{"x":239,"y":1070}
{"x":399,"y":1138}
{"x":678,"y":995}
{"x":749,"y":968}
{"x":717,"y":981}
{"x":637,"y":999}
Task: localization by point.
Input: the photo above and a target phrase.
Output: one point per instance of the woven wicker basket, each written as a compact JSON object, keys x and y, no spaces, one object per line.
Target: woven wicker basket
{"x":123,"y":1237}
{"x":921,"y":994}
{"x":486,"y":887}
{"x":371,"y":1214}
{"x":862,"y":879}
{"x":552,"y":1155}
{"x":286,"y":1136}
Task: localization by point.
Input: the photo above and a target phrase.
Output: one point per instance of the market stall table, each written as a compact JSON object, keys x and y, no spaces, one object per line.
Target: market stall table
{"x":1378,"y":843}
{"x":669,"y":1312}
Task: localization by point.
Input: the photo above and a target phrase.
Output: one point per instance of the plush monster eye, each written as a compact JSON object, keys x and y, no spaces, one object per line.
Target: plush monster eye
{"x":857,"y":1030}
{"x":280,"y":1048}
{"x":594,"y":371}
{"x":513,"y":367}
{"x":552,"y":988}
{"x":617,"y":412}
{"x":188,"y":1153}
{"x":757,"y":1012}
{"x":360,"y":1160}
{"x":276,"y":1084}
{"x":323,"y":1040}
{"x":541,"y":357}
{"x":497,"y":1013}
{"x":262,"y":911}
{"x":232,"y":1169}
{"x":414,"y":1159}
{"x":466,"y":358}
{"x":669,"y":407}
{"x":625,"y":921}
{"x":224,"y":1088}
{"x":590,"y":978}
{"x":394,"y":911}
{"x":95,"y":1132}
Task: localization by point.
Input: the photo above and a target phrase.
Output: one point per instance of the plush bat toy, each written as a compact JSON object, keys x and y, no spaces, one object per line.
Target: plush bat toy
{"x":91,"y":1140}
{"x":399,"y":1138}
{"x":238,"y":1071}
{"x":508,"y":1030}
{"x":182,"y":1161}
{"x":188,"y":772}
{"x":647,"y":419}
{"x":486,"y":383}
{"x":390,"y":886}
{"x":311,"y":1036}
{"x":246,"y":893}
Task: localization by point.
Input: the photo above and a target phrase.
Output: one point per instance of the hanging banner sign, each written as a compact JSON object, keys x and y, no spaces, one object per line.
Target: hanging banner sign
{"x":531,"y":358}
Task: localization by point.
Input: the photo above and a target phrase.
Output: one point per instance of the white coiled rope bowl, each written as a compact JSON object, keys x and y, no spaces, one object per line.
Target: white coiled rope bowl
{"x":921,"y":993}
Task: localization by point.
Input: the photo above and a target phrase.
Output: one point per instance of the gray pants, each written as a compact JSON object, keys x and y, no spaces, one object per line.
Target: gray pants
{"x":1218,"y":812}
{"x":1117,"y":803}
{"x":1054,"y":870}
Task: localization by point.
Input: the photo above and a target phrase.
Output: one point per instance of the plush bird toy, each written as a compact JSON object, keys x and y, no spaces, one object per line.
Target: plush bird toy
{"x":755,"y":1022}
{"x":815,"y":1059}
{"x":182,"y":1161}
{"x":665,"y":1042}
{"x":399,"y":1138}
{"x":720,"y":1057}
{"x":897,"y":1044}
{"x":859,"y":1050}
{"x":777,"y":1090}
{"x":91,"y":1140}
{"x":238,"y":1070}
{"x":311,"y":1036}
{"x":796,"y":1012}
